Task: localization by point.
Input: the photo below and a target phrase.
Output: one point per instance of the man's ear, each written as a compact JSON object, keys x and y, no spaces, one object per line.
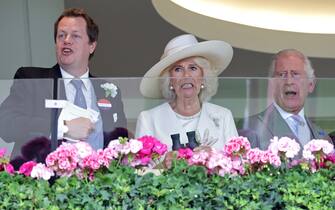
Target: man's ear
{"x":93,"y":45}
{"x":311,"y":85}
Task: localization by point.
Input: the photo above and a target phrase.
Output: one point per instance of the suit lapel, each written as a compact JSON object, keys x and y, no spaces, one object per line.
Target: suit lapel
{"x":316,"y":133}
{"x":59,"y":89}
{"x":106,"y":113}
{"x":275,"y":124}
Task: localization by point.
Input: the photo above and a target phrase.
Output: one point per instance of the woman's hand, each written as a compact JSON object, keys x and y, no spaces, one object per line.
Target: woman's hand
{"x":169,"y":157}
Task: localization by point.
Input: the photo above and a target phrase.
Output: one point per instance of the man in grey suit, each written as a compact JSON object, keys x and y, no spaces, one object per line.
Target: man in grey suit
{"x":293,"y":79}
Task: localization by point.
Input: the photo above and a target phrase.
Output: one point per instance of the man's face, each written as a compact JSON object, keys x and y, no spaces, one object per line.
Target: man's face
{"x":72,"y":44}
{"x":291,"y":83}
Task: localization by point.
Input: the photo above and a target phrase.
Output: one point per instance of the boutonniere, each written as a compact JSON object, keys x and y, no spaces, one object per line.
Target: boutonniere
{"x":110,"y":89}
{"x":215,"y":119}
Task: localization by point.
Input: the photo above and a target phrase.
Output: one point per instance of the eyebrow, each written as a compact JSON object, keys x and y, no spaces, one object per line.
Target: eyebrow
{"x":75,"y":31}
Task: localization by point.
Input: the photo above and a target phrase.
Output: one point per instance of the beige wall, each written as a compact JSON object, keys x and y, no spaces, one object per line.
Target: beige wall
{"x":26,"y":34}
{"x":132,"y":38}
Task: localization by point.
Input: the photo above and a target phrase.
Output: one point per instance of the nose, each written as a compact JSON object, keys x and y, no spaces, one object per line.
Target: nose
{"x":187,"y":73}
{"x":68,"y":39}
{"x":289,"y":79}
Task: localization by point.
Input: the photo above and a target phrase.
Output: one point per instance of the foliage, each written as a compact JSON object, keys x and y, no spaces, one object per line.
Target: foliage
{"x":238,"y":177}
{"x":20,"y":192}
{"x":181,"y":187}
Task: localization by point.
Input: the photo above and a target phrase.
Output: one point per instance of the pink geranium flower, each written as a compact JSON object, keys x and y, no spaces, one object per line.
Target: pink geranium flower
{"x":40,"y":171}
{"x":273,"y":159}
{"x":9,"y":168}
{"x":152,"y":150}
{"x":135,"y":145}
{"x":184,"y":153}
{"x":4,"y":162}
{"x":83,"y":149}
{"x":237,"y":146}
{"x":64,"y":160}
{"x":160,"y":148}
{"x":199,"y":158}
{"x":2,"y":152}
{"x":284,"y":146}
{"x":90,"y":162}
{"x":27,"y":167}
{"x":317,"y":147}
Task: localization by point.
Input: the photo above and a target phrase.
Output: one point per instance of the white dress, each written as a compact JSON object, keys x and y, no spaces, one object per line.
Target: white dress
{"x":161,"y":122}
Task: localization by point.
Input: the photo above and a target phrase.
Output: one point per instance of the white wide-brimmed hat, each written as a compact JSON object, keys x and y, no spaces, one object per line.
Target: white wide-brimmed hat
{"x":218,"y":53}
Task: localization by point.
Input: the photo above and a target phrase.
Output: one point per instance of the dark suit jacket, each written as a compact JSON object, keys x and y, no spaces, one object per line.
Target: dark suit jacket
{"x":260,"y":128}
{"x":23,"y":115}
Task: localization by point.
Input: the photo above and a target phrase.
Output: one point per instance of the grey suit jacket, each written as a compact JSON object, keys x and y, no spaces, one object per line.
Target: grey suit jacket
{"x":260,"y":128}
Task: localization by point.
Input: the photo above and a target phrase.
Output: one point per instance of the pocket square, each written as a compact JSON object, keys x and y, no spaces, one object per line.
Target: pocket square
{"x":115,"y":117}
{"x":322,"y":133}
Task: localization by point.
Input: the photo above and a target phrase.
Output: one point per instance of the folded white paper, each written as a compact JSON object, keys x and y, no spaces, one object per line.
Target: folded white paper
{"x":70,"y":112}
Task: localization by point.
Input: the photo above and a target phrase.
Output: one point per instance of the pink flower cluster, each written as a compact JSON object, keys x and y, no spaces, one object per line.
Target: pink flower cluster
{"x":36,"y":170}
{"x":216,"y":162}
{"x":4,"y":162}
{"x":317,"y":148}
{"x":234,"y":159}
{"x":64,"y":160}
{"x":80,"y":159}
{"x":27,"y":167}
{"x":284,"y":146}
{"x":260,"y":158}
{"x":152,"y":150}
{"x":185,"y":153}
{"x":122,"y":149}
{"x":236,"y":146}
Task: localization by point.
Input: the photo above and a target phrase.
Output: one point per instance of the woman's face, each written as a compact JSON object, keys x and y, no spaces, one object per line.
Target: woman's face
{"x":186,"y":78}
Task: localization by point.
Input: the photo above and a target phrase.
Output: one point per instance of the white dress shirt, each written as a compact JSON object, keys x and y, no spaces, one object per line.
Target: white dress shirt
{"x":70,"y":90}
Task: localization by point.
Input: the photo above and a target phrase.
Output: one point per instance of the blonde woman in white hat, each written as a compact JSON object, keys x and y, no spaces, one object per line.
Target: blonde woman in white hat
{"x":186,"y":76}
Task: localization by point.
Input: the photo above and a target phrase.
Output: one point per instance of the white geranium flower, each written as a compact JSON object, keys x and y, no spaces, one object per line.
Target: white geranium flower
{"x":40,"y":171}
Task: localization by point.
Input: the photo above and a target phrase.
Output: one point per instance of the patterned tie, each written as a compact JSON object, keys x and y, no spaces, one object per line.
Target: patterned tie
{"x":297,"y":121}
{"x":300,"y":129}
{"x":79,"y":98}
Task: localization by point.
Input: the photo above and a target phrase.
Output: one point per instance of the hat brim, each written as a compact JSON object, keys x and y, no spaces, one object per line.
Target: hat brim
{"x":218,"y":53}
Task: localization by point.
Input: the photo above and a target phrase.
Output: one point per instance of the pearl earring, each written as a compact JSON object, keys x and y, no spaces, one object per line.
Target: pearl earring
{"x":171,"y":87}
{"x":202,"y":86}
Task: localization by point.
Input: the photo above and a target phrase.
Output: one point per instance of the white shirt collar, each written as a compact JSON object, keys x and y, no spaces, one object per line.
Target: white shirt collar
{"x":68,"y":77}
{"x":285,"y":115}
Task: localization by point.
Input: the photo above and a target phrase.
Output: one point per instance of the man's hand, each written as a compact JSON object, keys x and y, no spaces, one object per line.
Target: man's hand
{"x":79,"y":128}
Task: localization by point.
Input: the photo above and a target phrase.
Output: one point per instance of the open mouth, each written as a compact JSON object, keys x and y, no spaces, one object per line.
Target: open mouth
{"x":67,"y":51}
{"x":187,"y":85}
{"x":291,"y":93}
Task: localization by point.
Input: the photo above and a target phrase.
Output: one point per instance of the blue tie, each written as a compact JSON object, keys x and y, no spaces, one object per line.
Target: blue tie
{"x":79,"y":98}
{"x":297,"y":122}
{"x":301,"y":130}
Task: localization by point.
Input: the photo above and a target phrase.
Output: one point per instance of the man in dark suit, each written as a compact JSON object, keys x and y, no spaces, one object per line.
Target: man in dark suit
{"x":293,"y":79}
{"x":23,"y":114}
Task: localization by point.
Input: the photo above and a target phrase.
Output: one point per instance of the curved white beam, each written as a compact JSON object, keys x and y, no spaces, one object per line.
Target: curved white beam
{"x":250,"y":37}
